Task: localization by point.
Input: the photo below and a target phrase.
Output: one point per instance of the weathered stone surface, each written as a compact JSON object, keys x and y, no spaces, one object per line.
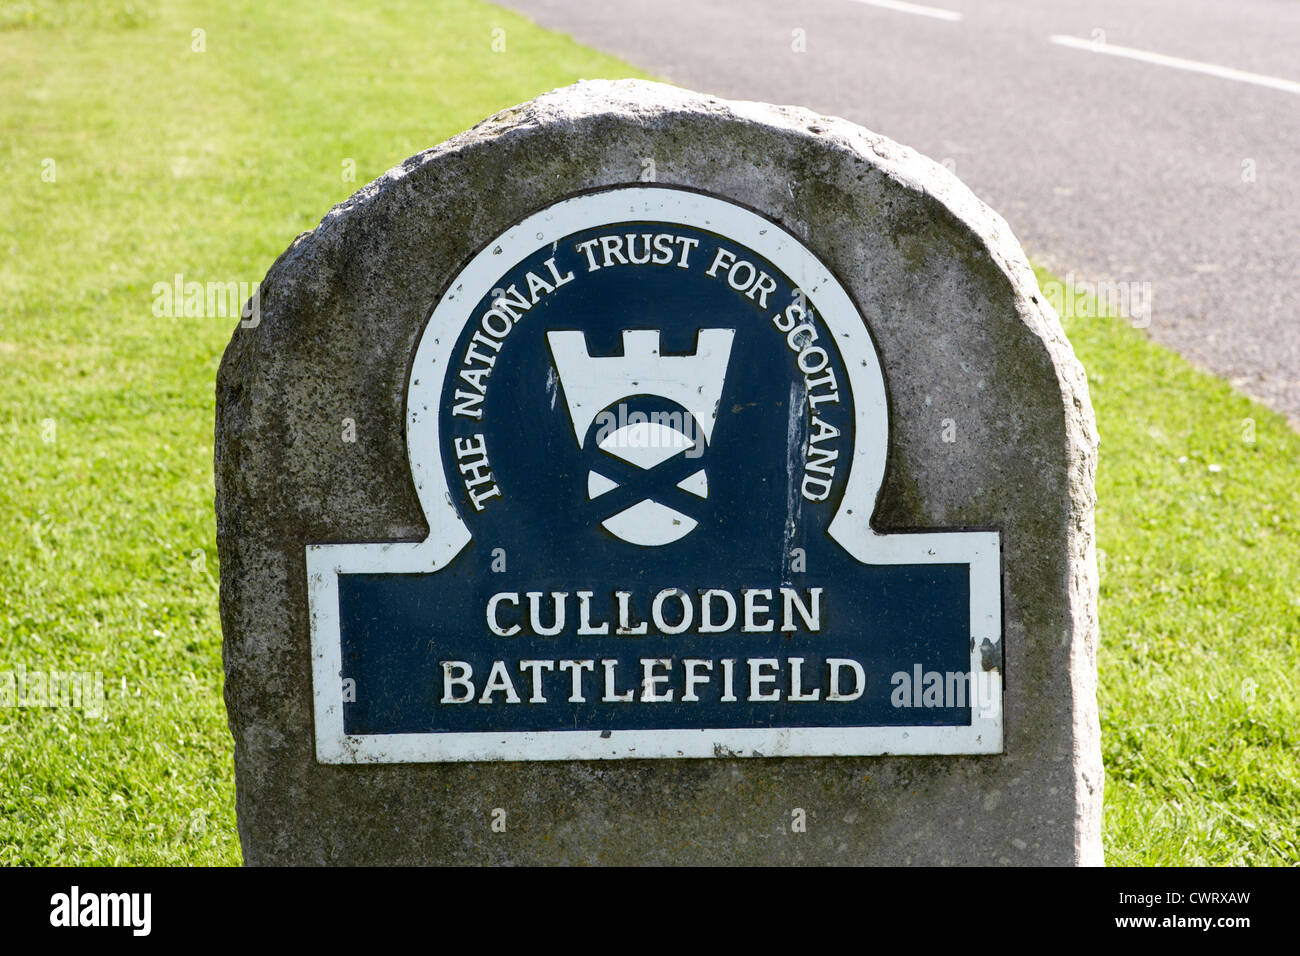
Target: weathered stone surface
{"x":962,"y":333}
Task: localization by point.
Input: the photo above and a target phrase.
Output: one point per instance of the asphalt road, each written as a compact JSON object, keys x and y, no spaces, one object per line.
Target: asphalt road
{"x":1166,"y":180}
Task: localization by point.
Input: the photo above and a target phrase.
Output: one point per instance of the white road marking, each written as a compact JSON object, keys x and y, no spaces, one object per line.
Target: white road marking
{"x":916,"y":8}
{"x":1178,"y":63}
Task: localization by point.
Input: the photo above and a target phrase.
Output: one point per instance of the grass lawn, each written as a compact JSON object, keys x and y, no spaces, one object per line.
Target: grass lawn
{"x":1198,"y":529}
{"x":129,"y":156}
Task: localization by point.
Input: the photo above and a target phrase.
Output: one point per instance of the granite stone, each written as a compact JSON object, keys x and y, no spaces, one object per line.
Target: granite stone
{"x":963,"y":334}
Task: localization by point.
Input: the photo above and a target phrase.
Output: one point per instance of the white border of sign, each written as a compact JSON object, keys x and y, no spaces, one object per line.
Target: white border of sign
{"x":850,"y":526}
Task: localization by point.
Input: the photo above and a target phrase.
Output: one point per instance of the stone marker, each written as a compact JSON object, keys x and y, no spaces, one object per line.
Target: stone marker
{"x":642,"y":477}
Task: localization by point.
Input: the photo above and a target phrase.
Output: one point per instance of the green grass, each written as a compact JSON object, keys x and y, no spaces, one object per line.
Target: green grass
{"x":208,"y":164}
{"x":1198,"y":529}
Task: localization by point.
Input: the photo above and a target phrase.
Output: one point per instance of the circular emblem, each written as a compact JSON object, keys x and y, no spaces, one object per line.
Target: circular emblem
{"x":635,"y":385}
{"x":646,"y":470}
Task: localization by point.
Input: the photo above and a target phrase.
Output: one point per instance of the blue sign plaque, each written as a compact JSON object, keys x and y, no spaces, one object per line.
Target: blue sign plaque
{"x":648,"y":428}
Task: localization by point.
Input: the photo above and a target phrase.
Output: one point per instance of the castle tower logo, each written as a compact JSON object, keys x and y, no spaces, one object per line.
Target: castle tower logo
{"x":644,"y":454}
{"x":647,"y":428}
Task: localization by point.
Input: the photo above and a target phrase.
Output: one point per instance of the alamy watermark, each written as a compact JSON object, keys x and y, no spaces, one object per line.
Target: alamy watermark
{"x":179,"y":299}
{"x":82,"y":690}
{"x":1080,"y":299}
{"x":922,"y":688}
{"x":674,"y":431}
{"x":74,"y":908}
